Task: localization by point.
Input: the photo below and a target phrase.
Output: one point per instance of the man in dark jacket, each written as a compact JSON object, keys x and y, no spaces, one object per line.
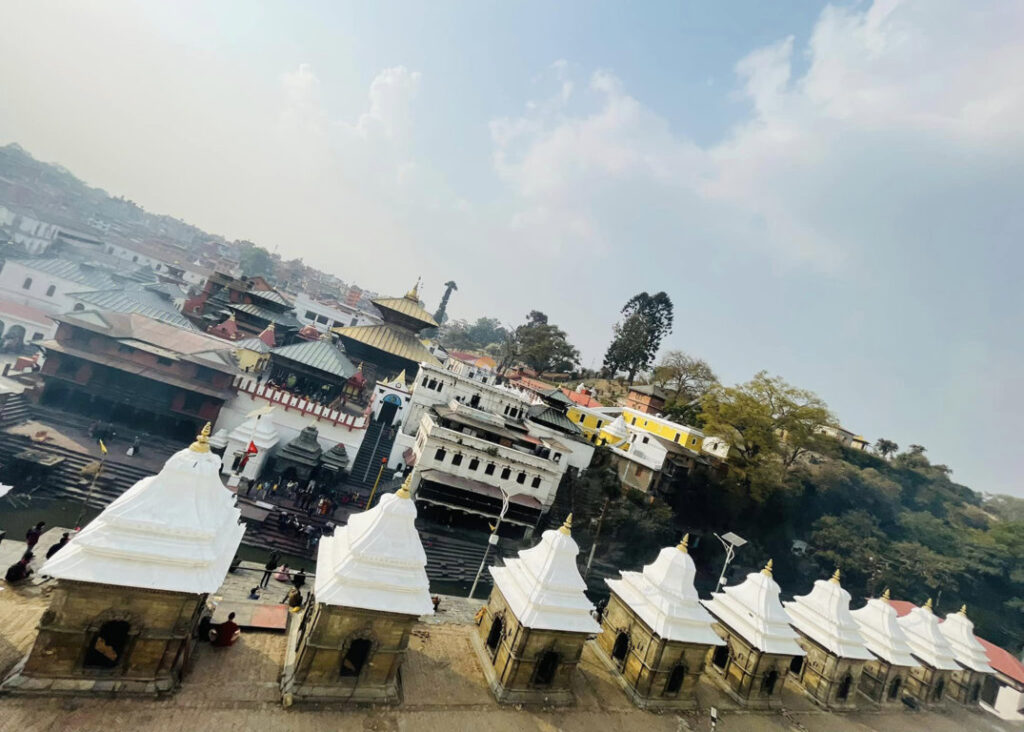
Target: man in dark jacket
{"x":269,"y":567}
{"x":33,"y":534}
{"x":64,"y":539}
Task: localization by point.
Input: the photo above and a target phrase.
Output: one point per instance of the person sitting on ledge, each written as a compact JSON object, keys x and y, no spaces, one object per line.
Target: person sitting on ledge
{"x":19,"y":571}
{"x":293,"y":600}
{"x":64,"y":539}
{"x":226,"y":633}
{"x":282,"y":574}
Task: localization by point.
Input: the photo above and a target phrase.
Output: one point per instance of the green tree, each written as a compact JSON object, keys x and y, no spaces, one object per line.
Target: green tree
{"x":765,"y":420}
{"x":637,"y":338}
{"x":255,"y":261}
{"x":543,"y":346}
{"x":885,"y":447}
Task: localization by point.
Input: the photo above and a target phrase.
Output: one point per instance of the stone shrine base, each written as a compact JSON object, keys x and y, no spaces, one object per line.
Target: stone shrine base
{"x":547,"y":698}
{"x":682,"y":702}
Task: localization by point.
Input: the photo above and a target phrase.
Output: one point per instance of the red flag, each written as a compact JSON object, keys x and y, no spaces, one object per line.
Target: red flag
{"x":251,"y":450}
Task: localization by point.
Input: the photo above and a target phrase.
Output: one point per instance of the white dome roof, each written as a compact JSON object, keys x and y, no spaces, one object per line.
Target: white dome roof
{"x":664,"y":597}
{"x":544,"y":588}
{"x":959,"y":631}
{"x":260,"y":430}
{"x":177,"y":530}
{"x":376,"y":561}
{"x":926,"y":641}
{"x":617,"y":428}
{"x":824,"y":617}
{"x":753,"y":610}
{"x":882,"y":634}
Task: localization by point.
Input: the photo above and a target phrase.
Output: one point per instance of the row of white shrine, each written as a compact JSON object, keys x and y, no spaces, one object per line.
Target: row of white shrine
{"x":179,"y":530}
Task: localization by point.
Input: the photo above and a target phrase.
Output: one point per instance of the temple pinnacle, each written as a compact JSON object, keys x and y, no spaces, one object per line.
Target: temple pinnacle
{"x":963,"y":610}
{"x":767,"y":571}
{"x":403,"y":491}
{"x":684,"y":544}
{"x":885,"y":594}
{"x":202,"y":443}
{"x":835,"y":576}
{"x":567,"y":526}
{"x":928,"y":605}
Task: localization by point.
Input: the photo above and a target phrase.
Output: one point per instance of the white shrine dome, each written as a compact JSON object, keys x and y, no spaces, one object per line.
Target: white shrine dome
{"x":543,"y":586}
{"x":177,"y":530}
{"x":616,"y":428}
{"x":959,"y":631}
{"x":824,"y":616}
{"x":926,"y":641}
{"x":376,"y":561}
{"x":259,"y":429}
{"x":663,"y":596}
{"x":882,"y":634}
{"x":753,"y":610}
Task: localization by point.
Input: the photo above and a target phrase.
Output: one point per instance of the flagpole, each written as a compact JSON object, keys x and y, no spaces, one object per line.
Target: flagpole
{"x":92,"y":484}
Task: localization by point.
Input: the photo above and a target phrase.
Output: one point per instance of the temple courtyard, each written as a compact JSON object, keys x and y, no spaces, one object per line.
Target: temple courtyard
{"x":443,"y":686}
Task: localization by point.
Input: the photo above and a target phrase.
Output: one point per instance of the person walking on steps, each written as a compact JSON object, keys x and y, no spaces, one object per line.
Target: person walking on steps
{"x":269,"y":567}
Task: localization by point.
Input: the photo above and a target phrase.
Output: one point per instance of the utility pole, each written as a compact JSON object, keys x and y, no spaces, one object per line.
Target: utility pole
{"x":597,"y":533}
{"x":492,"y":540}
{"x":383,"y":464}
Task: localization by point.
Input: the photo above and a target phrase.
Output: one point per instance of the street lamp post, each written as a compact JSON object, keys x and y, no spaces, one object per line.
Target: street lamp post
{"x":491,"y":541}
{"x":731,"y":542}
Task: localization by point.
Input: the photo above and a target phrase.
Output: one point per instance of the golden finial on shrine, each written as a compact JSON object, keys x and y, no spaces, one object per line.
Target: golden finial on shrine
{"x":403,"y":491}
{"x":928,"y":605}
{"x":567,"y":526}
{"x":835,"y":576}
{"x":963,"y":610}
{"x":202,"y":443}
{"x":684,"y":544}
{"x":885,"y":594}
{"x":414,"y":293}
{"x":767,"y":571}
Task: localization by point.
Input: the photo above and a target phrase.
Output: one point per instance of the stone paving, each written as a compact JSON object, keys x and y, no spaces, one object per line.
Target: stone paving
{"x":236,"y":688}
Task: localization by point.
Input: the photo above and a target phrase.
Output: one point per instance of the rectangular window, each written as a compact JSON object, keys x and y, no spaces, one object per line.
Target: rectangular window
{"x":439,"y":455}
{"x":505,"y":473}
{"x":535,"y":483}
{"x":457,"y":458}
{"x":164,"y":361}
{"x":310,"y":315}
{"x":474,"y":464}
{"x":489,"y":470}
{"x":634,"y":421}
{"x":677,"y":437}
{"x":599,"y":423}
{"x":521,"y":478}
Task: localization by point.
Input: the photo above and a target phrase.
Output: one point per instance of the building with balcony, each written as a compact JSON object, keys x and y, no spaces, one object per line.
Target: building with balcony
{"x":130,"y":369}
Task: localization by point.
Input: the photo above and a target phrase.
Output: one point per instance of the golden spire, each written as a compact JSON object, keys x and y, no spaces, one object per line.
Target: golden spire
{"x":928,"y":605}
{"x":835,"y":577}
{"x":202,"y":443}
{"x":767,"y":571}
{"x":567,"y":526}
{"x":684,"y":544}
{"x":963,"y":610}
{"x":414,"y":293}
{"x":885,"y":594}
{"x":400,"y":377}
{"x":403,"y":492}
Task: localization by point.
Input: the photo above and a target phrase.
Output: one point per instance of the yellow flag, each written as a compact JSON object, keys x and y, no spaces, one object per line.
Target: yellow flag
{"x":103,"y":448}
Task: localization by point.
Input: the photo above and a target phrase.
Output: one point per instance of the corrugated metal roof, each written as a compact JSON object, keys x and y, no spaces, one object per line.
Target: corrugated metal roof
{"x":286,"y":319}
{"x":319,"y":355}
{"x":134,"y":300}
{"x":553,"y":418}
{"x":272,"y":296}
{"x":390,"y":339}
{"x":407,"y":307}
{"x":253,"y":344}
{"x":69,"y":270}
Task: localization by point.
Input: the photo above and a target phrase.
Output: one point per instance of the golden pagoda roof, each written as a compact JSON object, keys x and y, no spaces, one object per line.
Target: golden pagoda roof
{"x":409,"y":306}
{"x":391,"y":339}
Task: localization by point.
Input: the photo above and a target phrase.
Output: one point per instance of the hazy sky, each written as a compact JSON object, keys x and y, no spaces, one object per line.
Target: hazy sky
{"x":831,"y":193}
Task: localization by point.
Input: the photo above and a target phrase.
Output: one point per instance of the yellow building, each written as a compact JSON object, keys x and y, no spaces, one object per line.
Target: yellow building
{"x":592,"y":421}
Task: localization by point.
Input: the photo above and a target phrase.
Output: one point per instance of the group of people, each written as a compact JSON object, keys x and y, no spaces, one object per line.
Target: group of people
{"x":22,"y":569}
{"x":282,"y":574}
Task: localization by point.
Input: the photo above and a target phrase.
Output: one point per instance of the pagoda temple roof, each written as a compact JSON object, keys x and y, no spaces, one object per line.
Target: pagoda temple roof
{"x":391,"y":339}
{"x":336,"y":458}
{"x":319,"y":355}
{"x":824,"y":617}
{"x":882,"y":634}
{"x":376,"y":561}
{"x":304,"y":449}
{"x":959,"y":632}
{"x":177,"y":531}
{"x":664,"y":597}
{"x":406,"y":308}
{"x":753,"y":610}
{"x":926,"y":641}
{"x":543,"y":586}
{"x":552,"y":418}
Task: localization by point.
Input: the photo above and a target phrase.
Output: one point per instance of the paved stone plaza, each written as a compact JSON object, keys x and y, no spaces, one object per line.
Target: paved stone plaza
{"x":237,"y":689}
